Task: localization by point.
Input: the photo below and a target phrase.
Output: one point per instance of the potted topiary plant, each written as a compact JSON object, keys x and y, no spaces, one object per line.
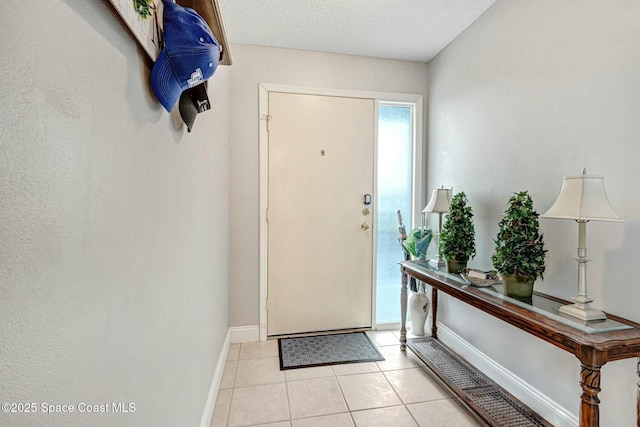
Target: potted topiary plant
{"x":457,"y":238}
{"x":519,"y":247}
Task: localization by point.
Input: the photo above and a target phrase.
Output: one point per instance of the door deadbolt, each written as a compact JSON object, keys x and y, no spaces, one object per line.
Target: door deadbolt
{"x":365,"y":226}
{"x":365,"y":211}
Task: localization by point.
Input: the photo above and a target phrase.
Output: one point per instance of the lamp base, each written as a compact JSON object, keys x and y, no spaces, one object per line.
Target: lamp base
{"x":438,"y":263}
{"x":583,"y":311}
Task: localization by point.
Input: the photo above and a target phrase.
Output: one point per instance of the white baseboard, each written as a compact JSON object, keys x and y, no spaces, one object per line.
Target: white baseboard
{"x":240,"y":334}
{"x":533,"y":398}
{"x":387,"y":326}
{"x":207,"y":415}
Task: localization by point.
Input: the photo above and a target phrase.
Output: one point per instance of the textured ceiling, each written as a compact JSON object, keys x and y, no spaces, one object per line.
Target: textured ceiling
{"x":413,"y":30}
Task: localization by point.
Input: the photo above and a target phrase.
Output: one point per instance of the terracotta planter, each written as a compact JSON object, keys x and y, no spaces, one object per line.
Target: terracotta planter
{"x":517,"y":286}
{"x":455,"y":266}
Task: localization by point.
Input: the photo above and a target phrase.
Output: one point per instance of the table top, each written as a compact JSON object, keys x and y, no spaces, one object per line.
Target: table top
{"x":612,"y":339}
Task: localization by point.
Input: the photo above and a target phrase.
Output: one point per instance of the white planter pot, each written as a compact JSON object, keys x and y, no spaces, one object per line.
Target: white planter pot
{"x":418,"y":311}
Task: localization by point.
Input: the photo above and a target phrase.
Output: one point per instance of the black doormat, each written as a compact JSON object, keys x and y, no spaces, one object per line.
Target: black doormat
{"x":319,"y":350}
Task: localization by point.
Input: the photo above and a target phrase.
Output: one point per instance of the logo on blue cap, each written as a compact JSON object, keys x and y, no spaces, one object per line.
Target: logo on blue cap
{"x":190,"y":55}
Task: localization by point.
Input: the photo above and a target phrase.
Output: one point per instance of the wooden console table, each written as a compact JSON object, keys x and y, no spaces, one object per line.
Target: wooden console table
{"x":593,"y":343}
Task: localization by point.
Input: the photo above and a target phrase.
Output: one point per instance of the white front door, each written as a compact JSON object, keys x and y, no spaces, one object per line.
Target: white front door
{"x":320,"y":251}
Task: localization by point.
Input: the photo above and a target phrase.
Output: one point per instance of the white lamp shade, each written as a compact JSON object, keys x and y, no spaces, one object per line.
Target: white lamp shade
{"x":440,"y":200}
{"x":582,"y":198}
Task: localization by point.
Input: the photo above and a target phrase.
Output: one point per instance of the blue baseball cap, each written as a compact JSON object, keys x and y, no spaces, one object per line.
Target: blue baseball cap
{"x":190,"y":55}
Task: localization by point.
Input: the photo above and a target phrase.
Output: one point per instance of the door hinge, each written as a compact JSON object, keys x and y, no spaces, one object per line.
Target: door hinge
{"x":267,"y":117}
{"x":267,"y":305}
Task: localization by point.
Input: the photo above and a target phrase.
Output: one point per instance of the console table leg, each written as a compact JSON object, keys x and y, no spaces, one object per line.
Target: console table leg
{"x":638,"y":404}
{"x":589,"y":409}
{"x":434,"y":311}
{"x":403,"y":312}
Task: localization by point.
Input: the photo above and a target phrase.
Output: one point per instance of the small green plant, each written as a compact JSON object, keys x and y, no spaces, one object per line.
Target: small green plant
{"x":519,"y":247}
{"x":457,"y":238}
{"x":143,"y":7}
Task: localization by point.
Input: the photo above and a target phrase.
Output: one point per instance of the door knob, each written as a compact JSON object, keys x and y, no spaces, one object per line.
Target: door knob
{"x":365,"y":226}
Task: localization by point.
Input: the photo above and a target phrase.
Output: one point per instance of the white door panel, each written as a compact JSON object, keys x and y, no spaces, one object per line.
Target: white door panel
{"x":319,"y":261}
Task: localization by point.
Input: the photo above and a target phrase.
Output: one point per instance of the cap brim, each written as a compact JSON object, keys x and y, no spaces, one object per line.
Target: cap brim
{"x":188,"y":110}
{"x":193,"y":101}
{"x":164,"y":83}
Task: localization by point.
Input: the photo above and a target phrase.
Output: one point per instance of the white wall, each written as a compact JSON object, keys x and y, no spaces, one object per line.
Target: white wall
{"x":253,"y":65}
{"x":113,"y":225}
{"x":533,"y":91}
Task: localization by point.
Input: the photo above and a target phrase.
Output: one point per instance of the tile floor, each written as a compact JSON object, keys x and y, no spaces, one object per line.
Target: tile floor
{"x":396,"y":392}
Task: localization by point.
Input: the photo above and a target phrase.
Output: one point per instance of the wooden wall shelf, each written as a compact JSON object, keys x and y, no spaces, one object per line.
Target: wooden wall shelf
{"x":145,"y":29}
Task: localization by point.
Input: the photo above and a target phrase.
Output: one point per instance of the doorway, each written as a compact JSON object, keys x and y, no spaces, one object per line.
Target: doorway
{"x":298,"y":242}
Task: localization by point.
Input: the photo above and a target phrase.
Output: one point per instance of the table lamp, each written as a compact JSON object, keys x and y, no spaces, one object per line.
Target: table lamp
{"x":439,"y":203}
{"x":582,"y":199}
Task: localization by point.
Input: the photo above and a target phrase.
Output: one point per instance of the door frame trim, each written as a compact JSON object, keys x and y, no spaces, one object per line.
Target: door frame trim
{"x":417,"y":173}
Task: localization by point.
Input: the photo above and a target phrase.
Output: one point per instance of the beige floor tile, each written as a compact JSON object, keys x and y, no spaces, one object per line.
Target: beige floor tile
{"x":334,"y":420}
{"x":381,"y":338}
{"x":255,"y":393}
{"x":395,"y":416}
{"x":280,"y":424}
{"x":221,"y":409}
{"x":394,"y":358}
{"x":234,"y":352}
{"x":355,"y":368}
{"x":256,"y":350}
{"x":366,"y":391}
{"x":259,"y":405}
{"x":313,"y":397}
{"x":258,"y":371}
{"x":308,"y":373}
{"x":229,"y":374}
{"x":416,"y":385}
{"x":442,"y":413}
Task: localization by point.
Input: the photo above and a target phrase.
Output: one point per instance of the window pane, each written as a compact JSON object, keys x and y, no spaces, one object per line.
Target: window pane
{"x":395,"y":135}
